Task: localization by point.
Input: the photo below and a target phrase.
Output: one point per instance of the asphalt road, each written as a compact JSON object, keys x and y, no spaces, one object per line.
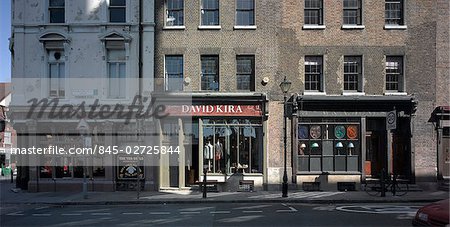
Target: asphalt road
{"x":224,"y":214}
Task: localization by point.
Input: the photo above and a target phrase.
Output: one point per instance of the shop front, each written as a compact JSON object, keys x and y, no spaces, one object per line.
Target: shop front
{"x":222,"y":135}
{"x":343,"y":140}
{"x":441,"y":119}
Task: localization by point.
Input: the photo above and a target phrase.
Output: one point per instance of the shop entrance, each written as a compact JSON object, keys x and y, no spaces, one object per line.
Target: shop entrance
{"x":376,"y":149}
{"x":377,"y":145}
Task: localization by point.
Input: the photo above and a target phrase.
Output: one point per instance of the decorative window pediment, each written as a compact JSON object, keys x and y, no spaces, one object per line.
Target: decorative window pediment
{"x":115,"y":36}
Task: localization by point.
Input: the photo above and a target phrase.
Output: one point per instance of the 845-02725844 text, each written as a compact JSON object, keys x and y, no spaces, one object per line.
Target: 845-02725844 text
{"x":139,"y":150}
{"x":98,"y":150}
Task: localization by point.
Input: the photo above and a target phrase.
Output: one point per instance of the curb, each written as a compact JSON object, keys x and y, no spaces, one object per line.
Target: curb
{"x":201,"y":201}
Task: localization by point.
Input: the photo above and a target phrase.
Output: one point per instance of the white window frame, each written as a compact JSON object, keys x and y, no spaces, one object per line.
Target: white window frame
{"x":401,"y":81}
{"x":360,"y":89}
{"x":166,"y":17}
{"x":201,"y":26}
{"x":243,"y":27}
{"x":252,"y":85}
{"x":166,"y":75}
{"x":354,"y":26}
{"x":218,"y":72}
{"x":49,"y":8}
{"x":117,"y":63}
{"x":402,"y":26}
{"x":321,"y":89}
{"x":109,"y":12}
{"x":319,"y":26}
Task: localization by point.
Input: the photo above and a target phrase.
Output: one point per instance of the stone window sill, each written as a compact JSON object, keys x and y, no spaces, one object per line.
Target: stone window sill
{"x":353,"y":27}
{"x":395,"y":27}
{"x":313,"y":27}
{"x":240,"y":27}
{"x":209,"y":27}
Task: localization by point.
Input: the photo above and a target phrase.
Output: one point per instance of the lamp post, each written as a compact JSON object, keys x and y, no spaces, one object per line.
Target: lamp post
{"x":83,"y":128}
{"x":285,"y":86}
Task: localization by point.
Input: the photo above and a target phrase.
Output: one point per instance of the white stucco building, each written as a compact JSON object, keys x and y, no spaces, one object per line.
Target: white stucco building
{"x":77,"y":53}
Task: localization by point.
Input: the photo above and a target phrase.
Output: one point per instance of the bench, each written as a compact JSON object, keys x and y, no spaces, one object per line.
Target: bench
{"x":346,"y":186}
{"x":211,"y":185}
{"x":246,"y":186}
{"x":311,"y":186}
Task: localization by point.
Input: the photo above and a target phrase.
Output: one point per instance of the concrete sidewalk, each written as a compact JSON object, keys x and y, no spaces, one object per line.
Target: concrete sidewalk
{"x":9,"y":196}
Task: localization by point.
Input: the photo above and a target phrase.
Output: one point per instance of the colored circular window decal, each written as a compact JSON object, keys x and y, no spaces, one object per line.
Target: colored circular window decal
{"x":315,"y":132}
{"x":352,"y":132}
{"x":339,"y":131}
{"x":302,"y":132}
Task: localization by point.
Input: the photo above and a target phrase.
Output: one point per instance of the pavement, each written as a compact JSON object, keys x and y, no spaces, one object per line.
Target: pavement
{"x":10,"y":195}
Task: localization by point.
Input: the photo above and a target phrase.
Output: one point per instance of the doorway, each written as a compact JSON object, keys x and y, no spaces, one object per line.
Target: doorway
{"x":376,"y":149}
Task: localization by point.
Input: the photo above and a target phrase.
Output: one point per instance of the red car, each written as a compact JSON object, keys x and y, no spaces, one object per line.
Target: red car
{"x":435,"y":214}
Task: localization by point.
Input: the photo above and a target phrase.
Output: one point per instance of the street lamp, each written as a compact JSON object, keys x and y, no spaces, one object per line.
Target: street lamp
{"x":285,"y":86}
{"x":83,"y":128}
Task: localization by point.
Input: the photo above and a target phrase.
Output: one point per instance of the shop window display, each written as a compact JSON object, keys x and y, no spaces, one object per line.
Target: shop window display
{"x":329,"y":147}
{"x":232,"y":146}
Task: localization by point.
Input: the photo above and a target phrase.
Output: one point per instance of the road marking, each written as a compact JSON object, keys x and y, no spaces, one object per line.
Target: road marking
{"x":136,"y":213}
{"x":40,"y":208}
{"x":291,"y":209}
{"x":18,"y":213}
{"x":42,"y":215}
{"x":157,"y":213}
{"x":71,"y":214}
{"x":220,"y":212}
{"x":252,"y":211}
{"x":380,"y":209}
{"x":190,"y":212}
{"x":97,"y":214}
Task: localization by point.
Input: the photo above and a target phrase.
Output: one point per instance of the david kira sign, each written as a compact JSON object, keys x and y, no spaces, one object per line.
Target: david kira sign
{"x":214,"y":110}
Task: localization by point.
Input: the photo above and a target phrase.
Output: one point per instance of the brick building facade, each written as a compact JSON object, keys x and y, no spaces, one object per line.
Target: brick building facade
{"x":217,"y":64}
{"x":392,"y":44}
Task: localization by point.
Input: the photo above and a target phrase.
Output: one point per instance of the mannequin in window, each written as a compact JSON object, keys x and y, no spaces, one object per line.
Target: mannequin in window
{"x":208,"y":154}
{"x":218,"y":154}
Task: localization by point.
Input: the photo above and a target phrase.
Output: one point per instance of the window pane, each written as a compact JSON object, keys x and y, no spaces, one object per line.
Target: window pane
{"x":394,"y":73}
{"x":117,"y":15}
{"x":245,"y":18}
{"x":174,"y":73}
{"x":394,"y":12}
{"x":116,"y":55}
{"x":245,"y":4}
{"x":175,"y":13}
{"x":245,"y":76}
{"x":313,"y":73}
{"x":210,"y":17}
{"x":57,"y":16}
{"x":210,"y":4}
{"x":313,"y":3}
{"x":352,"y":73}
{"x":210,"y":76}
{"x":56,"y":3}
{"x":117,"y":2}
{"x":351,"y":3}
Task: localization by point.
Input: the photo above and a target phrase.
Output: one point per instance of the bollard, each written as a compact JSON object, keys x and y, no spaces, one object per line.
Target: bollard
{"x":394,"y":184}
{"x":383,"y":192}
{"x":204,"y":182}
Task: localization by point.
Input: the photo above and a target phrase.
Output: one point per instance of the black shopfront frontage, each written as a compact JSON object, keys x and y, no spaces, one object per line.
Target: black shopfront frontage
{"x":345,"y":138}
{"x":222,"y":133}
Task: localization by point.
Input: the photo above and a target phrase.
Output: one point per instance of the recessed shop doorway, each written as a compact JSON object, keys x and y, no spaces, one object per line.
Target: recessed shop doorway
{"x":376,"y":148}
